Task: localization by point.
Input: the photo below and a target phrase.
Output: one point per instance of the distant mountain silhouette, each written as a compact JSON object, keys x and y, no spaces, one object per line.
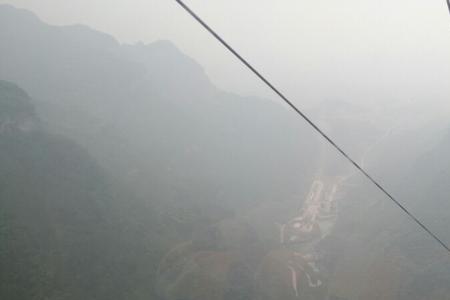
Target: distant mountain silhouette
{"x":150,"y":115}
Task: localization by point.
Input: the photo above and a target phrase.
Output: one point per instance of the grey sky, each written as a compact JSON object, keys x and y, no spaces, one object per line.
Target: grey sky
{"x":315,"y":50}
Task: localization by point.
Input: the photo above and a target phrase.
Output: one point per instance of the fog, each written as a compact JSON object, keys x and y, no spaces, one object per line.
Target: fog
{"x":359,"y":49}
{"x":140,"y":160}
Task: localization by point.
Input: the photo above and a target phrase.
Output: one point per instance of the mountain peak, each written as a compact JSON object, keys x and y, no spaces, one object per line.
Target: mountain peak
{"x":7,"y":10}
{"x":15,"y":19}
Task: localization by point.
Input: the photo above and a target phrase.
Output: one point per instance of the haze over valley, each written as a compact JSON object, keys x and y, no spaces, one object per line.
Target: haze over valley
{"x":127,"y":173}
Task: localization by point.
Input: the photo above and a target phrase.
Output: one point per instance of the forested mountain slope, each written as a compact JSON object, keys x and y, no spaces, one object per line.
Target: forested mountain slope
{"x":151,"y":117}
{"x":383,"y":253}
{"x":66,"y":231}
{"x":147,"y":120}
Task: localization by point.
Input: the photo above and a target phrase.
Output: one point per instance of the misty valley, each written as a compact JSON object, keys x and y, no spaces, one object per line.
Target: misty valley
{"x":126,"y":173}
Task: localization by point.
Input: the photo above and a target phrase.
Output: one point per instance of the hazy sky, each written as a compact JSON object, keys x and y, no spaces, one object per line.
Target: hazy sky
{"x":314,"y":50}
